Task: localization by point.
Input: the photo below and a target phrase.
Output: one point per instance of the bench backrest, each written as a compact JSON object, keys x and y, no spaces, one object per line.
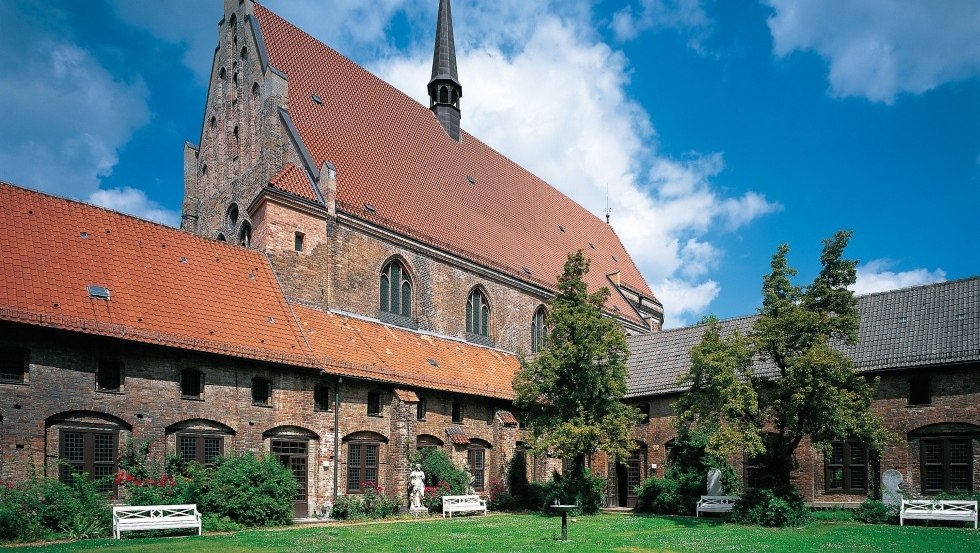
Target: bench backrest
{"x":130,"y":512}
{"x":460,"y":499}
{"x":945,"y":505}
{"x":719,"y":499}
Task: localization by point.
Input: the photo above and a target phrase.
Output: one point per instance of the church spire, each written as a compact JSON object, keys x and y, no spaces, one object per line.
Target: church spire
{"x":444,"y":88}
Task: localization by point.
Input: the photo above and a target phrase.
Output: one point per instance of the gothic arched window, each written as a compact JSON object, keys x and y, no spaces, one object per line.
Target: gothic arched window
{"x":477,"y":314}
{"x":245,"y":235}
{"x":538,"y":331}
{"x":444,"y":95}
{"x":396,"y":290}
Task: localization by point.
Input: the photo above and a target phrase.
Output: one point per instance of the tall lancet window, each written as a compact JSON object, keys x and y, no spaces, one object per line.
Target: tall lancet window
{"x":396,"y":290}
{"x":538,"y":331}
{"x":477,"y":315}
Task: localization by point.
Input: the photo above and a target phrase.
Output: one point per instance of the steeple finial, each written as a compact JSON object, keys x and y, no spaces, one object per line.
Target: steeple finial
{"x":444,"y":88}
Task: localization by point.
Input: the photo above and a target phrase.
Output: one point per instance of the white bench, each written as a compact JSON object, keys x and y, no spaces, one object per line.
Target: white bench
{"x":716,"y":504}
{"x":462,"y":504}
{"x":938,"y":509}
{"x":154,"y":517}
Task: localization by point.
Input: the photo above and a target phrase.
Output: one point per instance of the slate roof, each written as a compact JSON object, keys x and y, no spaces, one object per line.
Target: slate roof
{"x":464,"y":198}
{"x":923,"y":326}
{"x":177,"y":289}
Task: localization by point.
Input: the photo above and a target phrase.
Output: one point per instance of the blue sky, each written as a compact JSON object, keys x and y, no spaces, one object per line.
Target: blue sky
{"x":721,"y":128}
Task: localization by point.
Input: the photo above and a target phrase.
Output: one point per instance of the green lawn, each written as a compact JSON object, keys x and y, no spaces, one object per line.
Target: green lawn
{"x":520,"y":533}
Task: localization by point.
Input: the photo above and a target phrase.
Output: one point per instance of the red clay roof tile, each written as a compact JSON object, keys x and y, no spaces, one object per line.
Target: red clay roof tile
{"x":392,"y":153}
{"x":294,"y":180}
{"x":457,"y":435}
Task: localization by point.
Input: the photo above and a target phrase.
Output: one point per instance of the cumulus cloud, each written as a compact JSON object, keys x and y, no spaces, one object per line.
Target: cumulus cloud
{"x":877,"y":276}
{"x":881,"y":48}
{"x":555,"y":101}
{"x":686,"y":16}
{"x":134,"y":202}
{"x":65,"y":117}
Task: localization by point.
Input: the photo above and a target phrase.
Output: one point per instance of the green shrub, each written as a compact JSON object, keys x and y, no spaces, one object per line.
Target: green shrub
{"x":432,"y":498}
{"x":213,"y":523}
{"x":439,"y":468}
{"x":874,"y":511}
{"x":536,"y":494}
{"x":658,"y":495}
{"x":517,"y":483}
{"x":377,"y":505}
{"x":249,"y":490}
{"x":588,"y":494}
{"x":833,"y":514}
{"x":348,"y":507}
{"x":498,"y":498}
{"x":41,"y":508}
{"x":766,"y":507}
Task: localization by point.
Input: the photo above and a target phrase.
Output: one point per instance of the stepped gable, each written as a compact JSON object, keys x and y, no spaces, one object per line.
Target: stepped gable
{"x":165,"y":286}
{"x":462,"y":197}
{"x":922,"y":326}
{"x":365,"y":349}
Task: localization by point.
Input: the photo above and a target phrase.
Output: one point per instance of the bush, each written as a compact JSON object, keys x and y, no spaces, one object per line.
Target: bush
{"x":536,"y":494}
{"x":249,"y":490}
{"x":588,"y":493}
{"x":498,"y":498}
{"x":376,"y":505}
{"x":432,"y":498}
{"x":348,"y":507}
{"x":658,"y":495}
{"x":517,"y":483}
{"x":438,"y":468}
{"x":41,"y":508}
{"x":766,"y":507}
{"x":874,"y":511}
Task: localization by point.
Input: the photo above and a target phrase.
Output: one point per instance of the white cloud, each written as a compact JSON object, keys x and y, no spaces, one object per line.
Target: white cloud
{"x":686,"y":16}
{"x":877,"y":276}
{"x":134,"y":202}
{"x":556,"y":103}
{"x":881,"y":48}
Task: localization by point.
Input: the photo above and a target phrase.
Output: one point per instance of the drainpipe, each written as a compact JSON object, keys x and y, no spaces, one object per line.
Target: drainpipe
{"x":336,"y":435}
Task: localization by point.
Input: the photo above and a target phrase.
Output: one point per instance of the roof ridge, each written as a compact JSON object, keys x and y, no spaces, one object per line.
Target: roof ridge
{"x":919,"y":287}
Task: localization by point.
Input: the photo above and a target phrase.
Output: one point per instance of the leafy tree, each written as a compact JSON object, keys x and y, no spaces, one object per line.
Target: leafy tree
{"x":571,"y":391}
{"x":813,"y":390}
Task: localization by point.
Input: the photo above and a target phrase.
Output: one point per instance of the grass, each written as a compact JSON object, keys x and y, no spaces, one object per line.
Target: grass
{"x":520,"y":533}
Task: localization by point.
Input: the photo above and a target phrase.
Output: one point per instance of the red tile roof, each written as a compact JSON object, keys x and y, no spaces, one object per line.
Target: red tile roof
{"x":457,"y":435}
{"x":507,"y":418}
{"x":166,"y":286}
{"x":365,"y":349}
{"x":465,"y":198}
{"x":294,"y":180}
{"x":177,"y":289}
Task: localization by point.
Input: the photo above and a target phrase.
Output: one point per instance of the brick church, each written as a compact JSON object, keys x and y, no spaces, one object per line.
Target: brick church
{"x":355,"y":277}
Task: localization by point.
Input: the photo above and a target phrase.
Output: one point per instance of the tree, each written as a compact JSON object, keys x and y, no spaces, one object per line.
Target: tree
{"x":812,"y":390}
{"x":571,"y":392}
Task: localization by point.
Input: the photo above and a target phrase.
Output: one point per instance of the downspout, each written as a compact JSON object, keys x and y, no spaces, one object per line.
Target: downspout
{"x":336,"y":435}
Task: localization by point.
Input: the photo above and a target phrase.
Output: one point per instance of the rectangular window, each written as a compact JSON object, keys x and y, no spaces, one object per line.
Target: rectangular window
{"x":321,"y":398}
{"x":91,"y":452}
{"x":645,"y":411}
{"x":199,"y":449}
{"x":754,"y":469}
{"x":846,"y":468}
{"x":191,"y":384}
{"x":109,"y":376}
{"x":475,"y":458}
{"x":374,"y":404}
{"x":13,"y":365}
{"x":362,"y":466}
{"x":457,"y":412}
{"x":920,"y":391}
{"x":261,"y":391}
{"x":947,"y":465}
{"x":298,"y":241}
{"x":420,"y":409}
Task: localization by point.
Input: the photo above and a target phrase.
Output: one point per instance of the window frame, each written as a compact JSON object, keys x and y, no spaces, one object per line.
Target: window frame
{"x":268,"y":390}
{"x":87,"y":464}
{"x":457,"y":414}
{"x":478,"y":316}
{"x":375,"y":396}
{"x":479,"y":473}
{"x":101,"y":366}
{"x":298,"y":241}
{"x":539,"y":330}
{"x":389,"y":295}
{"x":362,"y":467}
{"x":946,"y":464}
{"x":645,"y":411}
{"x":200,"y":449}
{"x":184,"y":375}
{"x":318,"y":407}
{"x":847,"y":467}
{"x":25,"y":363}
{"x":421,"y":409}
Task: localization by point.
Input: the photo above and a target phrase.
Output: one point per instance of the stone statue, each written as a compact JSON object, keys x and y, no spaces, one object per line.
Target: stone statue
{"x":470,"y":479}
{"x":416,"y":480}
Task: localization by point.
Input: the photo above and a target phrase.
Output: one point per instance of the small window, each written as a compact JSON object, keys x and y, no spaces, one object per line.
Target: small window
{"x":221,"y":237}
{"x":13,"y":365}
{"x":374,"y":404}
{"x":191,"y":384}
{"x":457,"y":412}
{"x":231,"y":216}
{"x":477,"y":315}
{"x":321,"y":398}
{"x":261,"y":391}
{"x":645,"y":411}
{"x":245,"y":236}
{"x":298,"y":241}
{"x":109,"y":376}
{"x":538,"y":331}
{"x":420,"y":409}
{"x":199,"y":449}
{"x":920,"y":391}
{"x":846,"y":468}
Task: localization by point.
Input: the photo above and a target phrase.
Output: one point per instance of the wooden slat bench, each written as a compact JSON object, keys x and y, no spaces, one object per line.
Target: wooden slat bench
{"x":462,"y":504}
{"x":716,"y":504}
{"x":938,"y":509}
{"x":154,"y":517}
